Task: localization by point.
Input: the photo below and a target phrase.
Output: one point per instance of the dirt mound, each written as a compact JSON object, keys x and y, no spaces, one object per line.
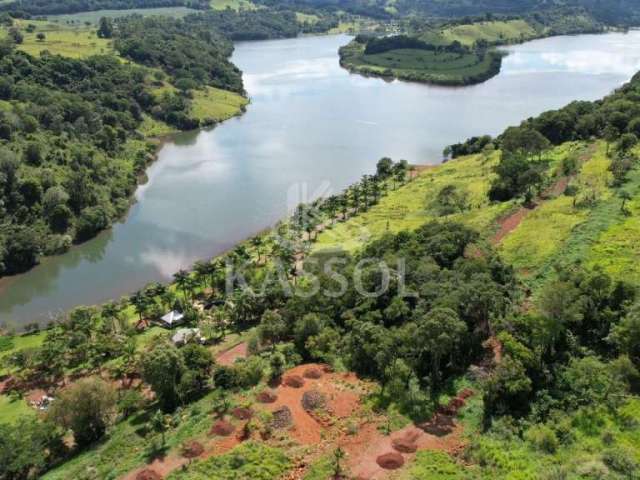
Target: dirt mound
{"x":440,"y":425}
{"x":294,"y":381}
{"x":466,"y":393}
{"x":267,"y":397}
{"x":282,"y":417}
{"x":313,"y":400}
{"x":148,"y":474}
{"x":404,"y":445}
{"x":192,"y":449}
{"x":242,"y":413}
{"x":390,"y":461}
{"x":222,"y":428}
{"x":312,"y":373}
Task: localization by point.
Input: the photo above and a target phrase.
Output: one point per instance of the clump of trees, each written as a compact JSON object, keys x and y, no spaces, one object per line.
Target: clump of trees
{"x":575,"y":351}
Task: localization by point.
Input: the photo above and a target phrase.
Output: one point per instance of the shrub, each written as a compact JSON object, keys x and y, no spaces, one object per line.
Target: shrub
{"x":543,"y":438}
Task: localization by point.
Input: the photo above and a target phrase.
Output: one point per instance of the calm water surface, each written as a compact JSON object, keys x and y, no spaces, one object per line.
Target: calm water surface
{"x":310,"y":125}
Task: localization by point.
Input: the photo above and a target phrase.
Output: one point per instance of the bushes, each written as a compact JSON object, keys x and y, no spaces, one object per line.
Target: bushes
{"x":249,"y":460}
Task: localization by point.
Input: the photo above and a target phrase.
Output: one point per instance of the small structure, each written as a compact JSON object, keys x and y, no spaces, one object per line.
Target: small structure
{"x":172,"y":319}
{"x":186,"y":335}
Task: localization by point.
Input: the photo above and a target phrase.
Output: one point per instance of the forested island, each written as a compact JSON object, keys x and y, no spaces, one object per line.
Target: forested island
{"x":487,"y":327}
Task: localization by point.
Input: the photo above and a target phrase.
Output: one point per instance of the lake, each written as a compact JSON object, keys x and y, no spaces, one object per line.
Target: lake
{"x":311,"y":128}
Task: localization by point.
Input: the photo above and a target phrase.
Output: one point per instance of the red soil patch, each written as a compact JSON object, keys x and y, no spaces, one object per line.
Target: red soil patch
{"x":242,"y":413}
{"x":340,"y":402}
{"x":312,"y":373}
{"x":390,"y":461}
{"x":495,"y":346}
{"x":294,"y":381}
{"x":466,"y":393}
{"x":228,"y":357}
{"x":509,"y":224}
{"x":267,"y":397}
{"x":404,"y":445}
{"x":192,"y":449}
{"x":222,"y":428}
{"x":148,"y":474}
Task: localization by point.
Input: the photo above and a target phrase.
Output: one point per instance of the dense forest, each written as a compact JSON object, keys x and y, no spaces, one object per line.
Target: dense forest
{"x":249,"y":24}
{"x":71,"y":152}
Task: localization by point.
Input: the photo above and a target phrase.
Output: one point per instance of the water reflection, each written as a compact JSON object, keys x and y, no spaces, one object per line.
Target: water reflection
{"x":309,"y":122}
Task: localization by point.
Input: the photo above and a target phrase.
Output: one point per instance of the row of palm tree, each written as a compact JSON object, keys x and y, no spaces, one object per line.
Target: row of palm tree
{"x":287,"y":243}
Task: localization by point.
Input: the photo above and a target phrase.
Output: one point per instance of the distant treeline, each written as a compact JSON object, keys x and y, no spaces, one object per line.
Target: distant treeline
{"x":384,"y":44}
{"x":54,"y":7}
{"x":609,"y":118}
{"x":260,"y":24}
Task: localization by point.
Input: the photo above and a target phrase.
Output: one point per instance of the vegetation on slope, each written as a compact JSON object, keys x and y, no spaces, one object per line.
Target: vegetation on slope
{"x":454,"y":52}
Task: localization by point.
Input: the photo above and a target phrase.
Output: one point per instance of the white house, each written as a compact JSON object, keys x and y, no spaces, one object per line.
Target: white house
{"x":172,"y":319}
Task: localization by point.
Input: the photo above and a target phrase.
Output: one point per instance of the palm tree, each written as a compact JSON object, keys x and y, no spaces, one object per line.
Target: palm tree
{"x":181,"y":277}
{"x":140,"y":301}
{"x":201,"y":269}
{"x":344,"y":205}
{"x":258,"y":243}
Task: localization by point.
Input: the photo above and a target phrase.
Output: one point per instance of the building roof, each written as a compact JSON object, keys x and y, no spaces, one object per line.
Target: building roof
{"x":183,"y":335}
{"x":172,"y":318}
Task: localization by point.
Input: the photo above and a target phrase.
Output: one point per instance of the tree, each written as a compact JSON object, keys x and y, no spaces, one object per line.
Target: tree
{"x":159,"y":425}
{"x":41,"y":36}
{"x":181,"y":277}
{"x":28,"y":447}
{"x":522,"y":140}
{"x":508,"y":390}
{"x":626,"y":142}
{"x":105,"y":28}
{"x":272,"y":327}
{"x":384,"y":168}
{"x":86,"y":408}
{"x":626,"y":335}
{"x":625,"y":197}
{"x":162,"y":367}
{"x":338,"y":457}
{"x":439,"y":333}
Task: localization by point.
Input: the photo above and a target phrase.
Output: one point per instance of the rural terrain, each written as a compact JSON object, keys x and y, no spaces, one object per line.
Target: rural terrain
{"x":478,"y":319}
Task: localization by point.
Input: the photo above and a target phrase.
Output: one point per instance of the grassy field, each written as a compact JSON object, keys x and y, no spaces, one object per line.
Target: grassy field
{"x":233,"y":5}
{"x":216,"y":104}
{"x":258,"y":462}
{"x":495,"y":32}
{"x":12,"y":409}
{"x":75,"y":42}
{"x":408,"y":207}
{"x":95,"y":16}
{"x":555,"y":233}
{"x":427,"y":61}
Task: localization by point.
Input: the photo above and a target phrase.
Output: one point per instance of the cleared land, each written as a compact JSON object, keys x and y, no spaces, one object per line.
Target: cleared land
{"x":95,"y":16}
{"x":74,"y":42}
{"x":494,"y":32}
